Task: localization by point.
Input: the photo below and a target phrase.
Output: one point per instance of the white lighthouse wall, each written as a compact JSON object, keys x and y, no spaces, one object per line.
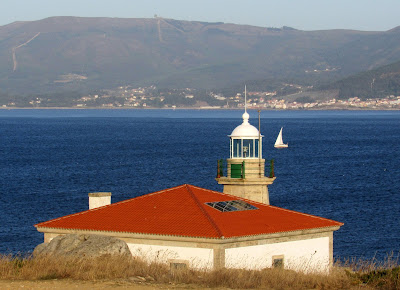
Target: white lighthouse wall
{"x":199,"y":258}
{"x":304,"y":255}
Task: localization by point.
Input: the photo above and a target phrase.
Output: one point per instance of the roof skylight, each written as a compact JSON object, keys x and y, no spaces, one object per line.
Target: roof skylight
{"x":231,"y":205}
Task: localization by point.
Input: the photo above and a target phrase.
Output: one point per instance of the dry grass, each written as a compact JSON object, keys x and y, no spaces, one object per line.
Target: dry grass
{"x":353,"y":274}
{"x":373,"y":273}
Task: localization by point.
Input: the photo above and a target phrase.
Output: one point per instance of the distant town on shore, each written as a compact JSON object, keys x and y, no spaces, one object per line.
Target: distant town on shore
{"x":151,"y":97}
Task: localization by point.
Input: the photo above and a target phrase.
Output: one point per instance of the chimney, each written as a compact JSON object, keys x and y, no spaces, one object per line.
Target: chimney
{"x":97,"y":199}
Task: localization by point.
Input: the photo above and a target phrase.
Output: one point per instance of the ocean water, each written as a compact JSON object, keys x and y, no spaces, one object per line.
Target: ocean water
{"x":341,"y":165}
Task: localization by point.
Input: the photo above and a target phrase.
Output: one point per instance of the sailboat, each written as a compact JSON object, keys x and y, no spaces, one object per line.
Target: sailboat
{"x":279,"y":142}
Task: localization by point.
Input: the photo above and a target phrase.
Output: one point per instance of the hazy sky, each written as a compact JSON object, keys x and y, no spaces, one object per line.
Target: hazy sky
{"x":301,"y":14}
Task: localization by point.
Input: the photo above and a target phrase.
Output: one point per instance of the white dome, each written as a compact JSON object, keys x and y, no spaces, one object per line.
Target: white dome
{"x":245,"y":129}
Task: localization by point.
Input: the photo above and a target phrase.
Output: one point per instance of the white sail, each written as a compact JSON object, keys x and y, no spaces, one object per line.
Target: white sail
{"x":279,"y":141}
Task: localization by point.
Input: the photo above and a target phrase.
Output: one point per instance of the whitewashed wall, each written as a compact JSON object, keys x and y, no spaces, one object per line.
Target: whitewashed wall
{"x":99,"y":201}
{"x":304,"y":255}
{"x":199,"y":258}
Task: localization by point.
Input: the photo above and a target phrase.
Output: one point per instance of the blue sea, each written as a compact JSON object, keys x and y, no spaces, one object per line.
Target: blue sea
{"x":341,"y":165}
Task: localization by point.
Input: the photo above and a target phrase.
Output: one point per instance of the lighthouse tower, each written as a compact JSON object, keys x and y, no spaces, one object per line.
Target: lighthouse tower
{"x":245,"y":169}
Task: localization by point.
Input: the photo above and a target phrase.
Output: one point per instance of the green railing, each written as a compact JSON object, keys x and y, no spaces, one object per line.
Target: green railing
{"x":238,"y":170}
{"x":271,"y":169}
{"x":222,"y":168}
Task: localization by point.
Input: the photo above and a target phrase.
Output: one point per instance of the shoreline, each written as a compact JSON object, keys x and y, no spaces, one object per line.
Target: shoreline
{"x":199,"y":108}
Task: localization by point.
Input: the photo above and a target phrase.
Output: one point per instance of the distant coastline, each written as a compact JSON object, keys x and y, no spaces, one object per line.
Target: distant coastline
{"x":203,"y":108}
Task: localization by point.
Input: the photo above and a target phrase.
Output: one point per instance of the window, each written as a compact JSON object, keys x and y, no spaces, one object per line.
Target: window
{"x":256,"y":148}
{"x":277,"y":262}
{"x":248,"y":148}
{"x":231,"y":205}
{"x":244,"y":148}
{"x":178,"y":265}
{"x":237,"y":148}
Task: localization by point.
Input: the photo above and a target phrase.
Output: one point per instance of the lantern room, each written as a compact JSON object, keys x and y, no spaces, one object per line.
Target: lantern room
{"x":245,"y":141}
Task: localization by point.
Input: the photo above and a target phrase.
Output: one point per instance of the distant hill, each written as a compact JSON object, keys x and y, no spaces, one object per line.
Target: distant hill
{"x":61,"y":54}
{"x":376,"y":83}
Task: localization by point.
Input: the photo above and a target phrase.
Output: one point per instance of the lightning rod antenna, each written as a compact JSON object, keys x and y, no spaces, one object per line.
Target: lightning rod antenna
{"x":245,"y":99}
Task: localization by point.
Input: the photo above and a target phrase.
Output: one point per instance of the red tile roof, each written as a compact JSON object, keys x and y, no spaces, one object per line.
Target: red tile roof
{"x":181,"y":211}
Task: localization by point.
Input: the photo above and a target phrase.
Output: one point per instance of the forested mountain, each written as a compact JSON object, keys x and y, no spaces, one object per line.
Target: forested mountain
{"x":61,"y":54}
{"x":376,"y":83}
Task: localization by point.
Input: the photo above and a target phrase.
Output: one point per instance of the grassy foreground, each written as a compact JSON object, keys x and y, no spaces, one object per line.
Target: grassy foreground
{"x":363,"y":275}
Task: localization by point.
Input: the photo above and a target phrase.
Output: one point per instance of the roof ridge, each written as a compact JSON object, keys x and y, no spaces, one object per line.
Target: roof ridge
{"x":213,"y":223}
{"x":304,"y":214}
{"x":233,"y":196}
{"x":272,"y":206}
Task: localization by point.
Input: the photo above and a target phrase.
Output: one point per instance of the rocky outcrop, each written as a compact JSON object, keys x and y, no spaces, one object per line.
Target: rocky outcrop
{"x":90,"y":246}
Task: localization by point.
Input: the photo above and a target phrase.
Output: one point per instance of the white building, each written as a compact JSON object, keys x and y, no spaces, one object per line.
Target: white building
{"x":206,"y":229}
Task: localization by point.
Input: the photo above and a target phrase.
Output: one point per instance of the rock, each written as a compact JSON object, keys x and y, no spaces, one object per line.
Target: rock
{"x":137,"y":279}
{"x":83,"y":245}
{"x":149,"y":278}
{"x":39,"y":248}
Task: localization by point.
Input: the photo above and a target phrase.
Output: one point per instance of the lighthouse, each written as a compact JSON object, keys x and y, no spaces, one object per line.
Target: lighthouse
{"x":243,"y":173}
{"x":188,"y":226}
